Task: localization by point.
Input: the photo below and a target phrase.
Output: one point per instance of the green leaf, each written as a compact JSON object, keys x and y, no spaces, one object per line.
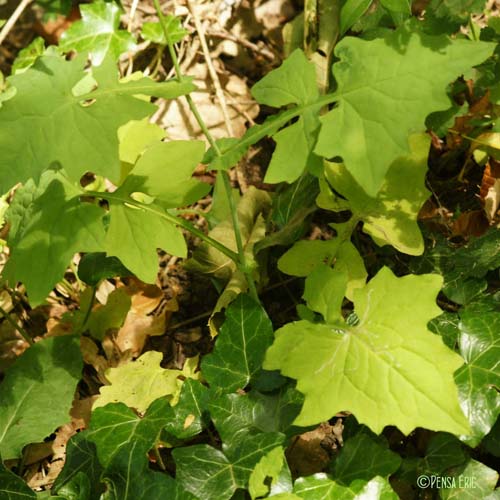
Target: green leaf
{"x":110,"y":315}
{"x":478,"y":380}
{"x":49,"y":225}
{"x":12,"y":487}
{"x":294,"y":143}
{"x":94,"y":267}
{"x":386,"y":88}
{"x":214,"y":475}
{"x":455,"y":10}
{"x":188,"y":416}
{"x":351,"y":11}
{"x":136,"y":136}
{"x":443,"y":452}
{"x":139,"y":383}
{"x":208,"y":260}
{"x":98,"y":33}
{"x":82,"y":471}
{"x":29,"y":55}
{"x":397,"y":6}
{"x":164,"y":172}
{"x":84,"y":131}
{"x":390,"y":217}
{"x":128,"y":477}
{"x":240,"y":346}
{"x":474,"y":481}
{"x":154,"y":32}
{"x":324,"y":292}
{"x":446,"y":325}
{"x":236,"y":415}
{"x":343,"y":368}
{"x":135,"y":233}
{"x":271,"y":475}
{"x":319,"y":486}
{"x":364,"y":457}
{"x":462,"y":281}
{"x":306,"y":255}
{"x":29,"y":411}
{"x":290,"y":212}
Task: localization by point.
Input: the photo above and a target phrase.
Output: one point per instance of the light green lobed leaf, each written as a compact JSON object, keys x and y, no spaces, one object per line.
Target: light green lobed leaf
{"x":390,"y":218}
{"x":387,"y":370}
{"x":29,"y":411}
{"x":29,"y":55}
{"x":139,"y":383}
{"x":273,"y":467}
{"x":164,"y":172}
{"x":49,"y":224}
{"x":83,"y":137}
{"x":98,"y":33}
{"x":386,"y":88}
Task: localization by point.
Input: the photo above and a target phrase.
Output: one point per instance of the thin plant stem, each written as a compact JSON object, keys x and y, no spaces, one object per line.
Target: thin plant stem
{"x":242,"y":263}
{"x":7,"y":27}
{"x":170,"y":218}
{"x":20,"y":329}
{"x":89,"y":308}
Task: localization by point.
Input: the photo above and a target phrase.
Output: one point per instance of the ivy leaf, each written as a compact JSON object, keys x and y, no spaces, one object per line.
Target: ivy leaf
{"x":364,"y":457}
{"x":45,"y":105}
{"x":139,"y":383}
{"x":188,"y":416}
{"x":98,"y":33}
{"x":390,"y":217}
{"x":462,"y":281}
{"x":476,"y":480}
{"x":240,"y":346}
{"x":236,"y":415}
{"x":270,"y":476}
{"x":478,"y":380}
{"x":319,"y":486}
{"x":29,"y":411}
{"x":455,"y":10}
{"x":386,"y":88}
{"x":49,"y":225}
{"x":81,"y":474}
{"x":211,"y":474}
{"x":13,"y":487}
{"x":154,"y":32}
{"x":340,"y":367}
{"x":128,"y":477}
{"x":29,"y":55}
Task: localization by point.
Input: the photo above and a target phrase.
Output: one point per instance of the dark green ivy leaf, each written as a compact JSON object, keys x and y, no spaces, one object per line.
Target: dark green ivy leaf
{"x":211,"y":474}
{"x":240,"y":347}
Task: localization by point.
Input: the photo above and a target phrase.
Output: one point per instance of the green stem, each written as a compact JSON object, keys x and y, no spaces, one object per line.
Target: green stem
{"x":242,"y":262}
{"x":20,"y":329}
{"x":170,"y":218}
{"x":89,"y":308}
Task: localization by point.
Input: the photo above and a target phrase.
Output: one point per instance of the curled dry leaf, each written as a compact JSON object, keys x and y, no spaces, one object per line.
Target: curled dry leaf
{"x":148,"y":316}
